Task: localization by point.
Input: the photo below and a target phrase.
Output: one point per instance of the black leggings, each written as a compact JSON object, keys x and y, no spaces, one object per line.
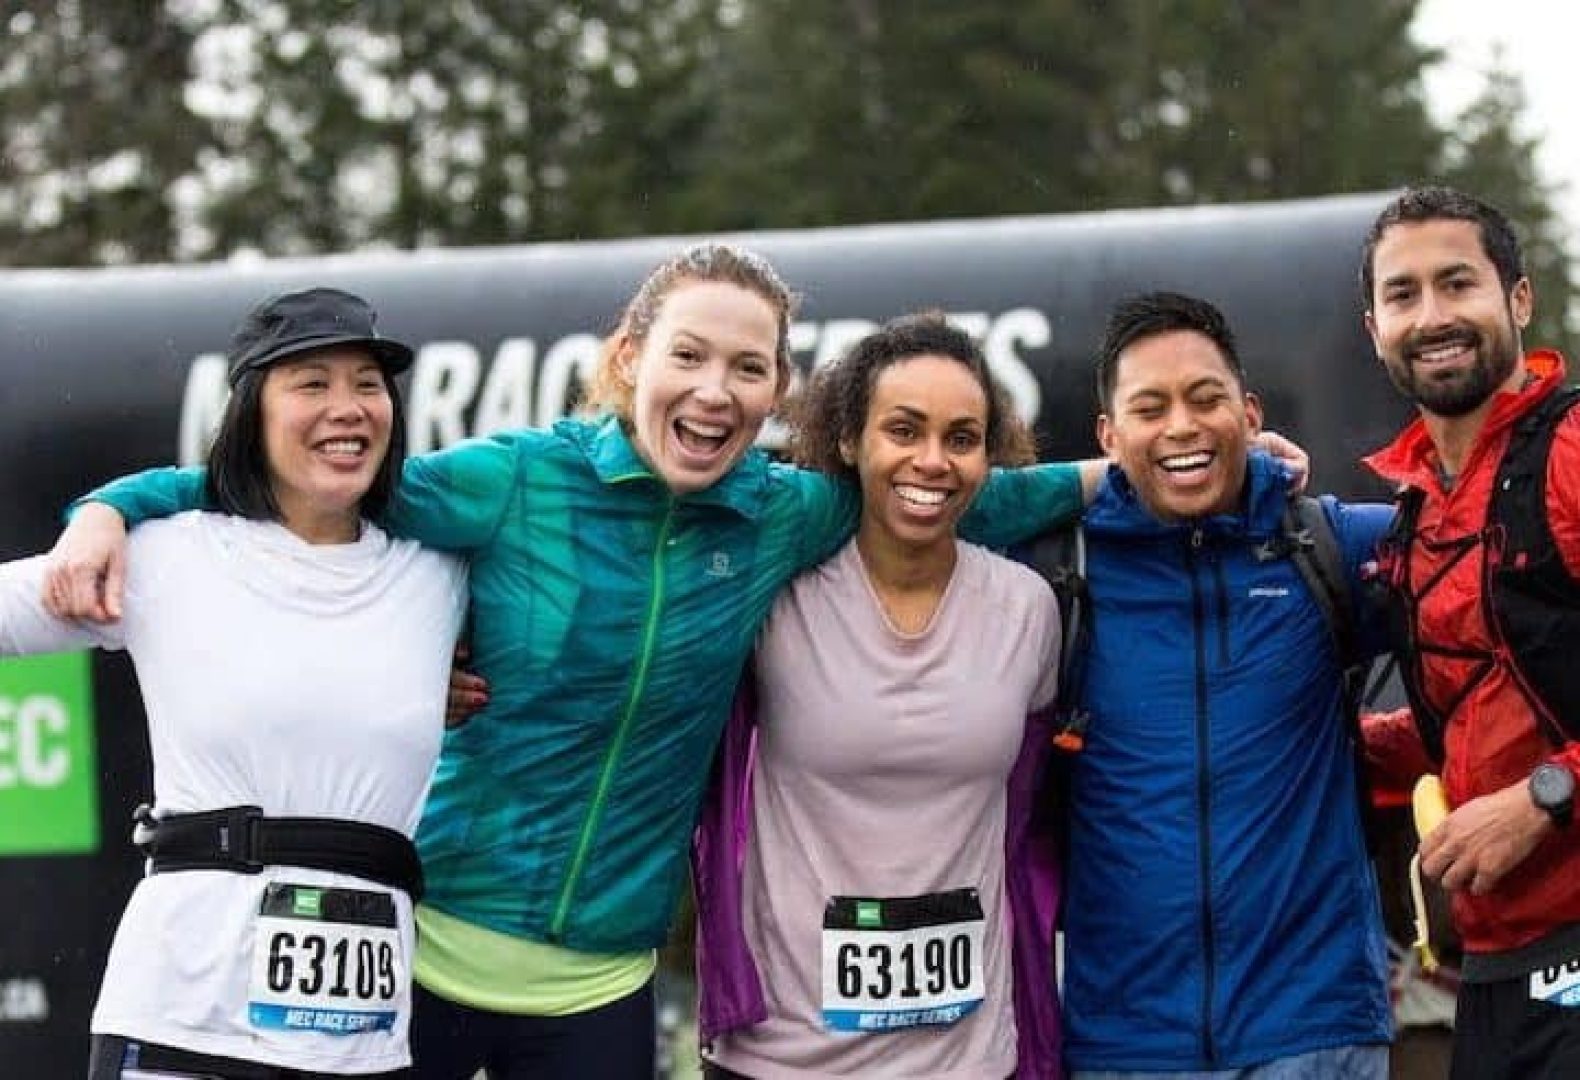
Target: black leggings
{"x":710,"y":1071}
{"x":1501,"y":1034}
{"x":612,"y":1042}
{"x":112,"y":1055}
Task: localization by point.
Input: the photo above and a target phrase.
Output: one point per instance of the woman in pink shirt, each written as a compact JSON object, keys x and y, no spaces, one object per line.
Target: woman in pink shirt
{"x":870,"y":901}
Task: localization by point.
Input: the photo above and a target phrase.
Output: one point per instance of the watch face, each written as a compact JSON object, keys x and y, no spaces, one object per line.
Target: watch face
{"x":1552,"y":787}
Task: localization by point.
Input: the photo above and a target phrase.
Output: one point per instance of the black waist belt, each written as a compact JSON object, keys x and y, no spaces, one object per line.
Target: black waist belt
{"x":240,"y":839}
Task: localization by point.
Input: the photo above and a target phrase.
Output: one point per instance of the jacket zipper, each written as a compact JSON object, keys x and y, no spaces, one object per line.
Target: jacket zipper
{"x":1203,"y":802}
{"x":1221,"y":594}
{"x":590,"y":823}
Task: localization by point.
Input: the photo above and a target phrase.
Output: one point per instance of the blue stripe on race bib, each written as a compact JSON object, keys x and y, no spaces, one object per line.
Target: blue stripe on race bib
{"x":896,"y":1019}
{"x":323,"y":1021}
{"x":1557,"y":985}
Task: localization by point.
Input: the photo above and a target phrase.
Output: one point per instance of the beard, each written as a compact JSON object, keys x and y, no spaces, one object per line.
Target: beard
{"x":1463,"y":390}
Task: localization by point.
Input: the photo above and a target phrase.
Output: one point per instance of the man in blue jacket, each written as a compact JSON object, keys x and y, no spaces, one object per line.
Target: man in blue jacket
{"x":1221,"y":917}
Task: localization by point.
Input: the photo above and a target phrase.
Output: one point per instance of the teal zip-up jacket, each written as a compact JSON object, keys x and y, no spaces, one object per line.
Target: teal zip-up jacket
{"x":612,"y":620}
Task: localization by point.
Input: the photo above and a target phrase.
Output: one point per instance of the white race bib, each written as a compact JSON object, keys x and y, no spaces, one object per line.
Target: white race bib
{"x":902,"y":962}
{"x":1557,"y":985}
{"x":327,"y":960}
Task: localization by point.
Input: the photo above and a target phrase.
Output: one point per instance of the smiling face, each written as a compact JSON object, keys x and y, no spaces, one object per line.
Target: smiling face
{"x":326,"y":428}
{"x":1445,"y":330}
{"x":1179,"y":425}
{"x":922,"y":455}
{"x":703,"y":381}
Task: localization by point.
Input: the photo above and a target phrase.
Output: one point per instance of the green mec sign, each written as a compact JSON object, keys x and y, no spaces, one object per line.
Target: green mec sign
{"x":48,"y":774}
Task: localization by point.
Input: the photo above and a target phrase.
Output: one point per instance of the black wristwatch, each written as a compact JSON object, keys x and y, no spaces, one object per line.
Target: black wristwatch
{"x":1553,"y":790}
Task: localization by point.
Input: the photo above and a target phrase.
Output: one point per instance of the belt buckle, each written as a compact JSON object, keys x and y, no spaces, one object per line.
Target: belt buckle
{"x":145,"y":825}
{"x":236,"y":838}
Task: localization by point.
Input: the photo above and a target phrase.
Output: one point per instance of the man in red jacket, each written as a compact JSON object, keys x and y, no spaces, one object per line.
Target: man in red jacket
{"x":1484,"y":571}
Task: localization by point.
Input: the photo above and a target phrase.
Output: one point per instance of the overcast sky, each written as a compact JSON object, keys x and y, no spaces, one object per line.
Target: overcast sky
{"x":1538,"y":46}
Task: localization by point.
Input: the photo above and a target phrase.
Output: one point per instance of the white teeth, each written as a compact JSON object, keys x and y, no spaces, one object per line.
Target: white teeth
{"x":1442,"y":352}
{"x":924,"y":496}
{"x":703,"y":430}
{"x":1181,"y":462}
{"x":342,"y":446}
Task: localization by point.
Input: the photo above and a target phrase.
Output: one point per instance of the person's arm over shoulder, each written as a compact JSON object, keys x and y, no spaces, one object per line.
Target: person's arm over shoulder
{"x":152,"y":493}
{"x":1017,"y":504}
{"x":1360,"y":528}
{"x":1395,"y":755}
{"x":457,"y":498}
{"x":26,"y":626}
{"x":823,"y":510}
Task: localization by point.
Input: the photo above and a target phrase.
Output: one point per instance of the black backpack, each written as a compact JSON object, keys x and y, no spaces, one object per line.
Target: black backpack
{"x":1533,"y":601}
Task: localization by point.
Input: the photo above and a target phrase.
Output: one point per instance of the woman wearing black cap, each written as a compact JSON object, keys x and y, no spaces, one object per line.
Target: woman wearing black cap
{"x":293,"y":660}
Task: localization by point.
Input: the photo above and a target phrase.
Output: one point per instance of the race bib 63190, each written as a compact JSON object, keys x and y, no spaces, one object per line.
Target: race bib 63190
{"x":901,"y":962}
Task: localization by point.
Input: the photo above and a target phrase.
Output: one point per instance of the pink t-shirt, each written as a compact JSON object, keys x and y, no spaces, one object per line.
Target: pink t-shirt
{"x":882,"y":765}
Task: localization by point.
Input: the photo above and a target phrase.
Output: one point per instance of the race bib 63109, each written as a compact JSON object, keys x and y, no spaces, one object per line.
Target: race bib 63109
{"x":327,"y":960}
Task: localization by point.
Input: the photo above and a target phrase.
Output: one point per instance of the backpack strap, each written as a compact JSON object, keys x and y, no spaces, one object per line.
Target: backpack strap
{"x":1314,"y":549}
{"x":1526,"y":574}
{"x":1059,"y":555}
{"x":1316,"y":554}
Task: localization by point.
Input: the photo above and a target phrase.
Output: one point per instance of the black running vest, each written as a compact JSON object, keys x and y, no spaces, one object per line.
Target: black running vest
{"x":1532,"y":603}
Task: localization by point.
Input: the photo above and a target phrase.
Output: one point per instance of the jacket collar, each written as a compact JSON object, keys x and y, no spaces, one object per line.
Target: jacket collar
{"x":615,"y":460}
{"x":1411,"y":459}
{"x":1118,"y":511}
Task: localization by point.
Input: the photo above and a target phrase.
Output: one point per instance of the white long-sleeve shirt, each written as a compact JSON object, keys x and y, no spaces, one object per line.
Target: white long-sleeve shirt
{"x":306,"y":679}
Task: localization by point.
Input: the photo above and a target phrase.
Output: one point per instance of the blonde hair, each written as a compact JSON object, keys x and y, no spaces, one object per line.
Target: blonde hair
{"x":611,"y":390}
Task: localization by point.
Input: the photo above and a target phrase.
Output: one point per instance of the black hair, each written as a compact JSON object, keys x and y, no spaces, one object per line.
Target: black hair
{"x":238,"y":463}
{"x":833,"y":410}
{"x":1148,"y":314}
{"x":1419,"y":205}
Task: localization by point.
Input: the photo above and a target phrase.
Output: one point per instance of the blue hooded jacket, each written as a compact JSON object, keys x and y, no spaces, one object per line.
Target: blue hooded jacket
{"x":1220,"y":908}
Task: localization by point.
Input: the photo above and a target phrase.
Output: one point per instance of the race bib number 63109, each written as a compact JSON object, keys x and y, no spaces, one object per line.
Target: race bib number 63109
{"x":327,"y":960}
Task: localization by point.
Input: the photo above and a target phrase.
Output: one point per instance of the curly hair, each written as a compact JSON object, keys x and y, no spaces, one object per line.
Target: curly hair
{"x":611,"y":391}
{"x":832,"y":411}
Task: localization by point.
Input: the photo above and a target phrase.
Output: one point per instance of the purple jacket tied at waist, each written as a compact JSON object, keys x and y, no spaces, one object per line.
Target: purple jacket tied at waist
{"x":729,"y":990}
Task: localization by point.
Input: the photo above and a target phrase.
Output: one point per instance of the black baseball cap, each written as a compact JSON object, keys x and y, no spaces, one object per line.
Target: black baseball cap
{"x":297,"y":322}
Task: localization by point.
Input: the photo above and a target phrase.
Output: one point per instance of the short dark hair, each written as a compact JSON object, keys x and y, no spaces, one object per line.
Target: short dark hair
{"x":1148,"y":314}
{"x":238,"y":463}
{"x":833,"y":409}
{"x":1418,"y":205}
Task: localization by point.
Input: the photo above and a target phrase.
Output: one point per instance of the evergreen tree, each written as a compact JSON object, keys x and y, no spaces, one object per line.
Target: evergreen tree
{"x":1232,"y":100}
{"x":1488,"y":156}
{"x":98,"y":139}
{"x":639,"y":154}
{"x":855,"y":110}
{"x":495,"y":121}
{"x":187,"y":129}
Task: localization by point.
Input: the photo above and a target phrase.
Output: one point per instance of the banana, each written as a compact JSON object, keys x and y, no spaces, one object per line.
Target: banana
{"x":1429,"y":804}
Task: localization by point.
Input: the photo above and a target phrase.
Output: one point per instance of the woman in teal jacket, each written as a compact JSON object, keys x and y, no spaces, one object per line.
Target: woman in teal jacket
{"x":620,"y":568}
